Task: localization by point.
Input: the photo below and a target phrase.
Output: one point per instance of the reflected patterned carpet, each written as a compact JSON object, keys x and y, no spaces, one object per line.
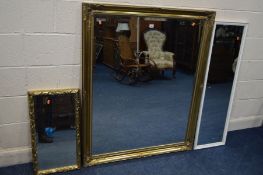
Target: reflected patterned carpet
{"x":242,"y":155}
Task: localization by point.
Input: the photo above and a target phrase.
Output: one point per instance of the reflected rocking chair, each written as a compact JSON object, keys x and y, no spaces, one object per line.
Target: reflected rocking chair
{"x":132,"y":67}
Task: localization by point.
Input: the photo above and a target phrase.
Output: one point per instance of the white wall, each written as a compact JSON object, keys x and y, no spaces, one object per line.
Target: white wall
{"x":40,"y":47}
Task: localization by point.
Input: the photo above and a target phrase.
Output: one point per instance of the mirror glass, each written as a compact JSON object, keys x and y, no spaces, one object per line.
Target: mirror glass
{"x":143,"y":79}
{"x":55,"y":133}
{"x":222,"y":69}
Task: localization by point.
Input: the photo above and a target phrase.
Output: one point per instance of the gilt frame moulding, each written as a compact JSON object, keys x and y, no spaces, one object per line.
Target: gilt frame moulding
{"x":88,"y":12}
{"x":230,"y":105}
{"x":76,"y":96}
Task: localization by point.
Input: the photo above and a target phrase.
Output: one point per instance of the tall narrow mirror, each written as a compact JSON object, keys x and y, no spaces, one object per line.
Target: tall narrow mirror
{"x":221,"y":76}
{"x":144,"y":81}
{"x":54,"y":116}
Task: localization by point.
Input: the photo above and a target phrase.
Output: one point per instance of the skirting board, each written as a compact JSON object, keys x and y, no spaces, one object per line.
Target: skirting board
{"x":15,"y":156}
{"x":246,"y":122}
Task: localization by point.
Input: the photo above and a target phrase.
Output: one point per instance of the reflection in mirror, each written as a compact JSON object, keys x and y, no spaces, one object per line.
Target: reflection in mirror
{"x":56,"y":133}
{"x":222,"y":69}
{"x":143,"y":79}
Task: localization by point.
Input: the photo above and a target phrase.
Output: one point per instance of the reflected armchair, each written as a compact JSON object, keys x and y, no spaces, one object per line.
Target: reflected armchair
{"x":162,"y":60}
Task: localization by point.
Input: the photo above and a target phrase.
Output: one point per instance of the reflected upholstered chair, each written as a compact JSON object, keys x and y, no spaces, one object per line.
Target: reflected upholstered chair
{"x":162,"y":60}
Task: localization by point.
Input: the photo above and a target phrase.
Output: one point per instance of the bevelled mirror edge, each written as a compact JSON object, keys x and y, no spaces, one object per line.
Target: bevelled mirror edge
{"x":233,"y":88}
{"x":88,"y":12}
{"x":74,"y":94}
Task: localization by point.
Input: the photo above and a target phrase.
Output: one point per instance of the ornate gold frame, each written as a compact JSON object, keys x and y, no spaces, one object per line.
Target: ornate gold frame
{"x":76,"y":96}
{"x":88,"y":12}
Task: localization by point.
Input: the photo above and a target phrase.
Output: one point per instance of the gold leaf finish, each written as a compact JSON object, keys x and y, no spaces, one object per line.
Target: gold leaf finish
{"x":76,"y":98}
{"x":206,"y":17}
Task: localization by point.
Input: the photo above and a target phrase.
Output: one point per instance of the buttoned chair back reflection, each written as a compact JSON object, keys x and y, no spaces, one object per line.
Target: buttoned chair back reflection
{"x":162,"y":60}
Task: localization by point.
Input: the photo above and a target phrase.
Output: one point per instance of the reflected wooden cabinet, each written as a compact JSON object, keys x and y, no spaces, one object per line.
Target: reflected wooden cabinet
{"x":221,"y":61}
{"x":184,"y":38}
{"x":105,"y":35}
{"x":63,"y":112}
{"x":108,"y":51}
{"x":226,"y":48}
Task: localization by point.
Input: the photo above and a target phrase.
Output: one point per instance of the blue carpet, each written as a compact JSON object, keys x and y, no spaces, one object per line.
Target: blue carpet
{"x":242,"y":155}
{"x":121,"y":113}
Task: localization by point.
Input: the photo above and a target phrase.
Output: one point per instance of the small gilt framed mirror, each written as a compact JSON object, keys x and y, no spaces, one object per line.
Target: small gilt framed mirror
{"x":55,"y":130}
{"x":143,"y":75}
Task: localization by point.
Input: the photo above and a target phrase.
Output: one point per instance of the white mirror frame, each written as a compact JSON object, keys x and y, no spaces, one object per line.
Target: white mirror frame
{"x":196,"y":146}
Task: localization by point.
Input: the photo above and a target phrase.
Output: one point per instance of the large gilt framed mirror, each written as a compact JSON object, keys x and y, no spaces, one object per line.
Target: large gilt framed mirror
{"x":220,"y":83}
{"x":55,"y":130}
{"x":143,"y":75}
